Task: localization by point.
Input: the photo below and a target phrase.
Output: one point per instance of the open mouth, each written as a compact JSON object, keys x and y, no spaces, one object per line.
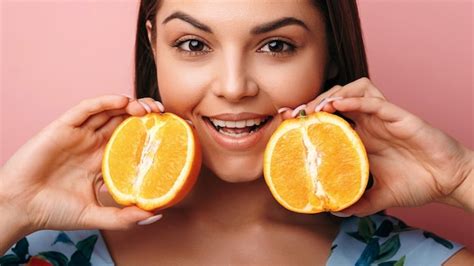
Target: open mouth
{"x":237,"y":129}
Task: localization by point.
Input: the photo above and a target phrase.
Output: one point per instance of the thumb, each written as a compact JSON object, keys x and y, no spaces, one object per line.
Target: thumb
{"x":113,"y":218}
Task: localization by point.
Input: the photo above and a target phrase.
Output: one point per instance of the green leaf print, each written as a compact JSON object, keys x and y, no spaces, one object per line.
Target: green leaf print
{"x":10,"y":259}
{"x":366,"y":228}
{"x":358,"y":237}
{"x":400,"y":262}
{"x":21,"y":248}
{"x":370,"y":253}
{"x":86,"y":246}
{"x":385,"y":228}
{"x":56,"y":258}
{"x":78,"y":259}
{"x":438,"y":239}
{"x":389,"y":248}
{"x":63,"y":238}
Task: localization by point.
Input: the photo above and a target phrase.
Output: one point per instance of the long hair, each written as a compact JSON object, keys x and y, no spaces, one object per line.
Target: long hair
{"x":345,"y":42}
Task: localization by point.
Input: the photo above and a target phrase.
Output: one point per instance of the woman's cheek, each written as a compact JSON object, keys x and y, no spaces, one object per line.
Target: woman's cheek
{"x":181,"y":88}
{"x":294,"y":84}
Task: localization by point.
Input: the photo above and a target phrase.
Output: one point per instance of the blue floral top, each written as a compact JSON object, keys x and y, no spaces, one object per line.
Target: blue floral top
{"x":374,"y":240}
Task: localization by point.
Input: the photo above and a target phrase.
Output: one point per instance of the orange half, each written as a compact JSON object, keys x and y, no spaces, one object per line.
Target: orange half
{"x":315,"y":163}
{"x":151,"y":161}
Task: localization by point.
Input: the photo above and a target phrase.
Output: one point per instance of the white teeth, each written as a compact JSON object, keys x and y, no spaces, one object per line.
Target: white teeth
{"x":236,"y":135}
{"x":240,"y":124}
{"x":237,"y":124}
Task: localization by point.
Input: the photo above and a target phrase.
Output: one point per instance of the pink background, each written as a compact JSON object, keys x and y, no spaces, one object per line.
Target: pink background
{"x":55,"y":53}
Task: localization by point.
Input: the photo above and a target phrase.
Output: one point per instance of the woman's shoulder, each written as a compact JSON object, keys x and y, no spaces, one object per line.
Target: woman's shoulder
{"x":82,"y":247}
{"x":385,"y":240}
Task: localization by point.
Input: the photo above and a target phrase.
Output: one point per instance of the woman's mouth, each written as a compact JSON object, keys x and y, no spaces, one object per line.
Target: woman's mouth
{"x":237,"y":134}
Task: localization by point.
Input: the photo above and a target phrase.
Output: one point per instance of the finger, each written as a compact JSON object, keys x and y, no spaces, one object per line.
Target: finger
{"x":333,"y":91}
{"x":297,"y":110}
{"x":86,"y":108}
{"x":107,"y":129}
{"x":138,"y":108}
{"x":358,"y":88}
{"x":374,"y":200}
{"x":98,"y":120}
{"x":352,"y":107}
{"x":155,"y":106}
{"x":135,"y":107}
{"x":285,"y":112}
{"x":325,"y":102}
{"x":112,"y":218}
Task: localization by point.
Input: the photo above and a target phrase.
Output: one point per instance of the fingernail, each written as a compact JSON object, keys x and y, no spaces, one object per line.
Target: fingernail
{"x":297,"y":110}
{"x":150,"y":220}
{"x":325,"y":101}
{"x":283,"y":109}
{"x":190,"y":122}
{"x":160,"y":106}
{"x":147,"y":108}
{"x":340,"y":214}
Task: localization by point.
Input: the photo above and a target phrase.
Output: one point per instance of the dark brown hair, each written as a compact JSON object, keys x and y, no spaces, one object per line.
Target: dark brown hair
{"x":346,"y":45}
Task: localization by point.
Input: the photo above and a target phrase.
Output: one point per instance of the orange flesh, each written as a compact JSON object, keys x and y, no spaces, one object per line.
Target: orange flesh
{"x":162,"y":176}
{"x":317,"y":164}
{"x":149,"y":161}
{"x":289,"y":175}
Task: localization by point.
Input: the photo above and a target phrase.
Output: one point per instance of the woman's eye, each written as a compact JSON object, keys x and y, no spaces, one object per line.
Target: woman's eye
{"x":276,"y":47}
{"x":192,"y":46}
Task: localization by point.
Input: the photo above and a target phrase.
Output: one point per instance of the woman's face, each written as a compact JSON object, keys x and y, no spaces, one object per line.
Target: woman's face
{"x":234,"y":57}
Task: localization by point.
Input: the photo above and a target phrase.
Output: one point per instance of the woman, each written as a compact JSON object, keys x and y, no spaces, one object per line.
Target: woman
{"x":220,"y":60}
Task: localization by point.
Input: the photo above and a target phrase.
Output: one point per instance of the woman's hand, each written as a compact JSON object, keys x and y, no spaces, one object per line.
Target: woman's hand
{"x":412,"y":162}
{"x":52,"y":181}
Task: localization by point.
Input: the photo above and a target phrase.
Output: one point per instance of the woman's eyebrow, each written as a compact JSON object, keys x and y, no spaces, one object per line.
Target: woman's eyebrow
{"x":264,"y":28}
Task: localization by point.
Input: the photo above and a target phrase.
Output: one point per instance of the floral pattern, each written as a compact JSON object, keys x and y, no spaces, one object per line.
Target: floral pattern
{"x":373,"y":240}
{"x":81,"y":256}
{"x":382,"y":240}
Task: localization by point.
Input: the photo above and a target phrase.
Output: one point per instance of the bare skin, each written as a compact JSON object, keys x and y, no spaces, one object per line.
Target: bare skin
{"x":236,"y":74}
{"x":230,"y":215}
{"x":245,"y":226}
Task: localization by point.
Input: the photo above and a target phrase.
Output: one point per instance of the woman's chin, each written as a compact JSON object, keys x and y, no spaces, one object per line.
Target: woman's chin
{"x":237,"y":175}
{"x":238,"y":178}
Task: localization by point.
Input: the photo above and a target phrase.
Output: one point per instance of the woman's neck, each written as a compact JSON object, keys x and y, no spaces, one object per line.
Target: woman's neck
{"x":214,"y":202}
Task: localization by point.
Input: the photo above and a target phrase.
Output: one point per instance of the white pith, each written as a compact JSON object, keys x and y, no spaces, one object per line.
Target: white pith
{"x":148,"y":154}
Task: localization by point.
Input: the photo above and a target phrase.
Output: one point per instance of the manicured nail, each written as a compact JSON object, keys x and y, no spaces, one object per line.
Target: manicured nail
{"x":160,"y":106}
{"x":283,"y":109}
{"x":297,"y":110}
{"x":147,"y":108}
{"x":340,"y":214}
{"x":190,"y":122}
{"x":150,"y":220}
{"x":325,"y":101}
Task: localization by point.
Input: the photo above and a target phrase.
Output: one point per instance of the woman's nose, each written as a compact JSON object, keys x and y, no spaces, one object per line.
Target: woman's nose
{"x":235,"y":82}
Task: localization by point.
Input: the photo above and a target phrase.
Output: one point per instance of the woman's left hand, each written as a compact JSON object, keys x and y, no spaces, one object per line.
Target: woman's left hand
{"x":412,"y":162}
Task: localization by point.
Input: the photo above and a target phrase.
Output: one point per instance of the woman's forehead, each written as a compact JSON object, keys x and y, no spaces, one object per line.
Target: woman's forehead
{"x":244,"y":12}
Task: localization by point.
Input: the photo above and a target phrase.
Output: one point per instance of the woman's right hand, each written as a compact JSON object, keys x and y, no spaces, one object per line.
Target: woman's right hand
{"x":52,"y":181}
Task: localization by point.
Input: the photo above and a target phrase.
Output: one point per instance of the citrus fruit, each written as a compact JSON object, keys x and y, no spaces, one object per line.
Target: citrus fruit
{"x":315,"y":163}
{"x":151,"y":161}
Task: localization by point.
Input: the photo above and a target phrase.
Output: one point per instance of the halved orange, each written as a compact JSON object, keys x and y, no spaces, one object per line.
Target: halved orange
{"x":315,"y":163}
{"x":151,"y":161}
